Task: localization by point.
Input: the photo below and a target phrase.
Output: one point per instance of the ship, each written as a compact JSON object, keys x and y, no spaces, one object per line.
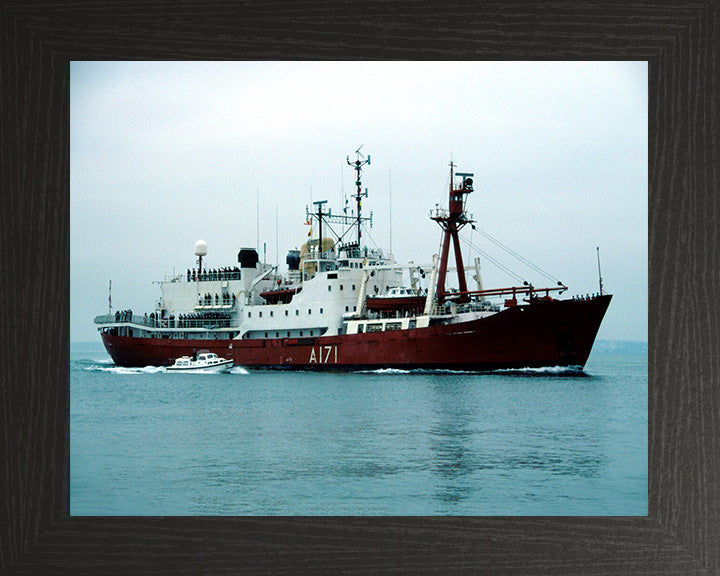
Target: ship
{"x":342,"y":305}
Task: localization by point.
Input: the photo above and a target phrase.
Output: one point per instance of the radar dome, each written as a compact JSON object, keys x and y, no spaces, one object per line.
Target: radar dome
{"x":200,"y":248}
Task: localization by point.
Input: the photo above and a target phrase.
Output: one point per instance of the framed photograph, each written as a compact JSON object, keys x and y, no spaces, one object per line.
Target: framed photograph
{"x":673,"y":532}
{"x":456,"y":352}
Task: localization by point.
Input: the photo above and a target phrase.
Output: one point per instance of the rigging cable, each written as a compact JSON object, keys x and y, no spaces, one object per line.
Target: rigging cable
{"x":517,"y":256}
{"x":494,"y":261}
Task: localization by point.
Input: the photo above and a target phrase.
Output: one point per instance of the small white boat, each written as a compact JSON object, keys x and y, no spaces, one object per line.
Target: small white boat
{"x":204,"y":361}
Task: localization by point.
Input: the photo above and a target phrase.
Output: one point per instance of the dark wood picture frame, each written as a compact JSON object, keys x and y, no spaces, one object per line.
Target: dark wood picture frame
{"x":680,"y":41}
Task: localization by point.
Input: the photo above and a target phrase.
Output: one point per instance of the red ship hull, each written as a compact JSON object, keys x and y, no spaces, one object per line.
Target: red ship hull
{"x":555,"y":333}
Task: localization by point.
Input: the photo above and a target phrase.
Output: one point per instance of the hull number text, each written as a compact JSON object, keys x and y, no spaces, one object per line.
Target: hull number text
{"x":323,"y":355}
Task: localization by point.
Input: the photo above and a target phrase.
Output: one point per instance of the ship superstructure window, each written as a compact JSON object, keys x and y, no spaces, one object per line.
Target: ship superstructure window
{"x":286,"y":312}
{"x":321,"y":310}
{"x":297,"y":312}
{"x":329,"y":288}
{"x":309,"y":311}
{"x":249,"y":314}
{"x":272,"y":313}
{"x":341,"y":286}
{"x":260,"y":314}
{"x":353,"y":287}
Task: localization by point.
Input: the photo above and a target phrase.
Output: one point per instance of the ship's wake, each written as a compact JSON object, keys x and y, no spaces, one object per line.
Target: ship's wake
{"x":107,"y":366}
{"x":113,"y":369}
{"x":110,"y":368}
{"x":573,"y":371}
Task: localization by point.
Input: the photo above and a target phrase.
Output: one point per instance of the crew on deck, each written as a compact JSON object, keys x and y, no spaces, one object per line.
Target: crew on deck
{"x":226,"y":273}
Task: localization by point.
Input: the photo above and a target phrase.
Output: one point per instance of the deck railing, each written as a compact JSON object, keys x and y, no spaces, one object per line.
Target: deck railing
{"x":121,"y":317}
{"x":164,"y":322}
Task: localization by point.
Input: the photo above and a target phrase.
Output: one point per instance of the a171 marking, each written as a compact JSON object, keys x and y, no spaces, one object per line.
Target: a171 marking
{"x":324,"y":355}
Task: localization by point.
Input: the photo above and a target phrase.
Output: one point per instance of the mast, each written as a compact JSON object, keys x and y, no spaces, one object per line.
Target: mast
{"x":357,"y":165}
{"x":390,"y":205}
{"x":320,"y":214}
{"x":326,"y":218}
{"x":451,"y":221}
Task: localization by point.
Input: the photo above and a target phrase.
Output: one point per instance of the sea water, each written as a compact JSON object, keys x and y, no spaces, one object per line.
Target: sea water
{"x":387,"y":442}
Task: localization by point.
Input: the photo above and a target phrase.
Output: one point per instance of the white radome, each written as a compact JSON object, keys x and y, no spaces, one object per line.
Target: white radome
{"x":200,"y":248}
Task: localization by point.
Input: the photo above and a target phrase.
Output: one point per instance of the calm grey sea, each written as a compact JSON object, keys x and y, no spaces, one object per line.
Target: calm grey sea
{"x":528,"y":442}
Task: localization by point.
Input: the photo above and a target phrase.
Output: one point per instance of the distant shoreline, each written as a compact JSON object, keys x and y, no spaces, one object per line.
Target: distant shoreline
{"x":620,"y":347}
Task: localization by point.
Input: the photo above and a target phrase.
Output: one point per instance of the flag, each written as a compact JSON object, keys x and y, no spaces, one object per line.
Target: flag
{"x":310,"y":233}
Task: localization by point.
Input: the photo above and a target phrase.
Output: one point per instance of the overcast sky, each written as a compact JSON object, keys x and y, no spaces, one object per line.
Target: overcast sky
{"x":164,"y":154}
